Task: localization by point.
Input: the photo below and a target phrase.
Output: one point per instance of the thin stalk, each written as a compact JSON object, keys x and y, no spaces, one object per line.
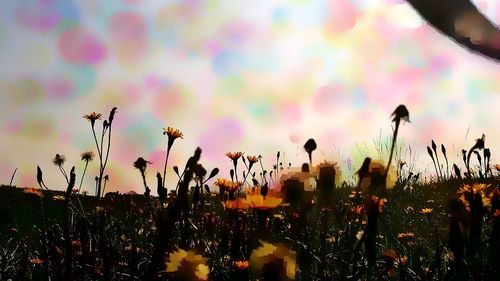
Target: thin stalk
{"x":394,"y":136}
{"x":12,"y":178}
{"x":165,"y":167}
{"x":83,"y":176}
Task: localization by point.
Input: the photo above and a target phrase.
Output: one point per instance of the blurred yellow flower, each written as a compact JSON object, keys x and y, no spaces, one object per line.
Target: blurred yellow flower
{"x":426,"y":211}
{"x":58,"y":197}
{"x":187,"y":264}
{"x":257,"y":201}
{"x":262,"y":259}
{"x":477,"y":188}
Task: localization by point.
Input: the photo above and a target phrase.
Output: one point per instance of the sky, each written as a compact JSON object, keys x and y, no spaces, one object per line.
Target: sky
{"x":250,"y":76}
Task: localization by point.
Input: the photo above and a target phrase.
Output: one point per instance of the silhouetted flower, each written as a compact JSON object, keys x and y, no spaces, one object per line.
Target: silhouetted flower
{"x":234,"y":155}
{"x":59,"y":160}
{"x":173,"y":133}
{"x":401,"y":113}
{"x":141,"y":164}
{"x":309,"y":147}
{"x":92,"y":117}
{"x":252,"y":159}
{"x":87,"y":156}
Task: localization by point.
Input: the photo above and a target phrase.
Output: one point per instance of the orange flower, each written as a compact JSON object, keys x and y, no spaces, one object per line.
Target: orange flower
{"x":251,"y":159}
{"x":390,"y":254}
{"x":497,"y":213}
{"x":497,"y":167}
{"x":260,"y":202}
{"x":406,"y":235}
{"x":234,"y":155}
{"x":241,"y":265}
{"x":173,"y":133}
{"x":358,"y":210}
{"x":92,"y":117}
{"x":34,"y":191}
{"x":227,"y":184}
{"x":36,"y":261}
{"x":237,"y":204}
{"x":426,"y":211}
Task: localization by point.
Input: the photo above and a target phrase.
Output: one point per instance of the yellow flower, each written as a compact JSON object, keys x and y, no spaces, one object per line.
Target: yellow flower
{"x":477,"y":188}
{"x":237,"y":204}
{"x":173,"y":133}
{"x":59,"y":197}
{"x":426,"y":211}
{"x":269,"y":254}
{"x":188,"y":265}
{"x":227,"y":184}
{"x":234,"y":155}
{"x":257,"y":201}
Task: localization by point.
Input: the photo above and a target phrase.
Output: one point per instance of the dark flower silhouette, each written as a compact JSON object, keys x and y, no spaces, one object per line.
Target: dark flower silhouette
{"x":86,"y":156}
{"x":400,"y":114}
{"x":92,"y":117}
{"x":309,"y":147}
{"x":141,"y":164}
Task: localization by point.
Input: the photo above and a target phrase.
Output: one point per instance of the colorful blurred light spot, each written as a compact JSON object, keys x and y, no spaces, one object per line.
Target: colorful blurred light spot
{"x":129,"y":36}
{"x":79,"y":46}
{"x":38,"y":17}
{"x":26,"y":91}
{"x":221,"y":136}
{"x":342,"y":16}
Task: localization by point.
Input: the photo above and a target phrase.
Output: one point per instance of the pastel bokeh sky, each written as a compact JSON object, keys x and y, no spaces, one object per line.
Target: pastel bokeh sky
{"x":252,"y":76}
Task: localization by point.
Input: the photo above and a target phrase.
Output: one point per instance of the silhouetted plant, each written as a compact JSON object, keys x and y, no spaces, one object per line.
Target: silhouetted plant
{"x":172,"y":135}
{"x":400,"y":114}
{"x":443,"y":150}
{"x":478,"y":145}
{"x":234,"y":156}
{"x":103,"y":157}
{"x":141,"y":164}
{"x":59,"y":161}
{"x":309,"y":147}
{"x":39,"y":178}
{"x":87,"y":157}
